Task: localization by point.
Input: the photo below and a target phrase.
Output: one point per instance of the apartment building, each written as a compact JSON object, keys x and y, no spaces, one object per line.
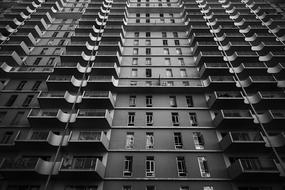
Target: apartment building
{"x":142,"y":95}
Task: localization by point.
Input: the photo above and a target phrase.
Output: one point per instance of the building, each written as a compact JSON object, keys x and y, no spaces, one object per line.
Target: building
{"x":142,"y":95}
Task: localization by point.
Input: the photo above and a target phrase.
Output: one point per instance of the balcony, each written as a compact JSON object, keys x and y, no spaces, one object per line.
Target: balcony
{"x":233,"y":118}
{"x":243,"y":142}
{"x":80,"y":140}
{"x":82,"y":168}
{"x":272,"y":119}
{"x":254,"y":169}
{"x":102,"y":99}
{"x":208,"y":56}
{"x":101,"y":119}
{"x":226,"y":100}
{"x":220,"y":83}
{"x":208,"y":69}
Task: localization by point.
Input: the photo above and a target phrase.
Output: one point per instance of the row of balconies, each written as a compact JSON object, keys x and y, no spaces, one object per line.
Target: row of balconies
{"x":82,"y":118}
{"x":77,"y":168}
{"x":48,"y":139}
{"x":102,"y":99}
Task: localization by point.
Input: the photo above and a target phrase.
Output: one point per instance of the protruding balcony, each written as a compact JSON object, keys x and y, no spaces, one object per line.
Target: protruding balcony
{"x":99,"y":119}
{"x":226,"y":100}
{"x":273,"y":119}
{"x":82,"y":168}
{"x":233,"y":118}
{"x":243,"y":142}
{"x":245,"y":169}
{"x":208,"y":69}
{"x":220,"y":83}
{"x":80,"y":140}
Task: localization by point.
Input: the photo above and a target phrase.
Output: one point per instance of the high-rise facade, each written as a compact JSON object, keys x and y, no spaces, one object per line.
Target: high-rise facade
{"x":142,"y":95}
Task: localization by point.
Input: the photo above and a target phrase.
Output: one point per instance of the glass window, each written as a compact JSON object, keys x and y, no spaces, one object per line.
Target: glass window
{"x":193,"y":119}
{"x":165,"y":51}
{"x":198,"y":140}
{"x":134,"y":73}
{"x":149,"y":140}
{"x":176,"y":42}
{"x":150,"y":166}
{"x":131,"y":118}
{"x":147,"y":42}
{"x":181,"y":166}
{"x":174,"y":118}
{"x":149,"y":118}
{"x":128,"y":168}
{"x":28,"y":100}
{"x":130,"y":140}
{"x":11,"y":100}
{"x":164,"y":42}
{"x":148,"y":101}
{"x":178,"y":140}
{"x":172,"y":102}
{"x":167,"y":61}
{"x":181,"y":61}
{"x":203,"y":165}
{"x":127,"y":187}
{"x":189,"y":101}
{"x":183,"y":73}
{"x":135,"y":51}
{"x":135,"y":61}
{"x":132,"y":101}
{"x":147,"y":51}
{"x":148,"y":72}
{"x":21,"y":85}
{"x":169,"y":73}
{"x":148,"y":61}
{"x":36,"y":85}
{"x":147,"y":34}
{"x":136,"y":42}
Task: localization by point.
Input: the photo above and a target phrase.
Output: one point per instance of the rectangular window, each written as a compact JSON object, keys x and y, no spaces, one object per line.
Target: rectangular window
{"x":178,"y":51}
{"x":11,"y":100}
{"x":189,"y":101}
{"x":61,"y":42}
{"x":148,"y":72}
{"x":173,"y":102}
{"x":21,"y":85}
{"x":169,"y":83}
{"x":147,"y":51}
{"x":149,"y":118}
{"x":193,"y":119}
{"x":28,"y":100}
{"x":181,"y":61}
{"x":135,"y":51}
{"x":175,"y":34}
{"x":178,"y":140}
{"x":37,"y":61}
{"x":185,"y":83}
{"x":183,"y":73}
{"x":2,"y":116}
{"x":167,"y":61}
{"x":147,"y":34}
{"x":131,"y":118}
{"x":147,"y":42}
{"x":7,"y":137}
{"x":137,"y":34}
{"x":127,"y":187}
{"x":128,"y":168}
{"x":148,"y":101}
{"x":149,"y":140}
{"x":164,"y":34}
{"x":148,"y":83}
{"x":54,"y":34}
{"x":148,"y":61}
{"x":136,"y":42}
{"x":164,"y":42}
{"x":150,"y":187}
{"x":198,"y":140}
{"x":133,"y":83}
{"x":176,"y":42}
{"x":184,"y":188}
{"x":181,"y":166}
{"x":130,"y":140}
{"x":18,"y":117}
{"x":169,"y":73}
{"x":36,"y":85}
{"x":135,"y":61}
{"x":150,"y":166}
{"x":43,"y":52}
{"x":50,"y":61}
{"x":66,"y":34}
{"x":134,"y":73}
{"x":137,"y":20}
{"x":203,"y":165}
{"x":132,"y":101}
{"x":174,"y":118}
{"x":165,"y":51}
{"x":208,"y":188}
{"x":57,"y":51}
{"x":89,"y":135}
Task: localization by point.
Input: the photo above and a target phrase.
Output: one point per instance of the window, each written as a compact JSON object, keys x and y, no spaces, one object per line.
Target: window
{"x":57,"y":51}
{"x":137,"y":34}
{"x":136,"y":42}
{"x":147,"y":14}
{"x":178,"y":51}
{"x":135,"y":51}
{"x":148,"y":101}
{"x":185,"y":83}
{"x":175,"y":34}
{"x":11,"y":100}
{"x":165,"y":51}
{"x":193,"y":119}
{"x":133,"y":83}
{"x":148,"y":83}
{"x":172,"y":101}
{"x":147,"y":51}
{"x":203,"y":165}
{"x":21,"y":85}
{"x":176,"y":42}
{"x":181,"y":61}
{"x":43,"y":52}
{"x":150,"y":166}
{"x":149,"y":140}
{"x":147,"y":20}
{"x":18,"y":117}
{"x":50,"y":61}
{"x":174,"y":117}
{"x":181,"y":166}
{"x":2,"y":116}
{"x":131,"y":118}
{"x":134,"y":72}
{"x":164,"y":34}
{"x":135,"y":61}
{"x":7,"y":137}
{"x":137,"y":20}
{"x":164,"y":42}
{"x":88,"y":135}
{"x":128,"y":168}
{"x":167,"y":61}
{"x":36,"y":85}
{"x":148,"y":72}
{"x":189,"y":101}
{"x":198,"y":140}
{"x":178,"y":140}
{"x":208,"y":188}
{"x":184,"y":188}
{"x":28,"y":100}
{"x":66,"y":34}
{"x":169,"y":73}
{"x":148,"y":61}
{"x":150,"y":187}
{"x":149,"y":118}
{"x":127,"y":187}
{"x":183,"y":73}
{"x":169,"y":83}
{"x":138,"y":15}
{"x":132,"y":101}
{"x":147,"y":34}
{"x":147,"y":42}
{"x":130,"y":140}
{"x":37,"y":61}
{"x":54,"y":34}
{"x":61,"y":42}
